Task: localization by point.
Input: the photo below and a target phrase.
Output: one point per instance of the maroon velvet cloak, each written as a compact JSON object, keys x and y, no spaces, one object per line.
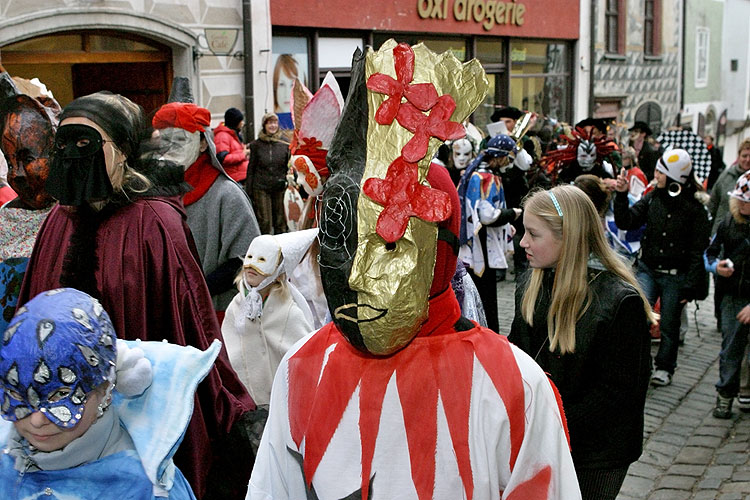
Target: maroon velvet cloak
{"x":153,"y":288}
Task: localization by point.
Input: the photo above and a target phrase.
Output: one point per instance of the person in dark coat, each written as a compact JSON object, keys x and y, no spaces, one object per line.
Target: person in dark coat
{"x":266,"y":176}
{"x":671,"y":263}
{"x":582,"y":316}
{"x":728,"y":257}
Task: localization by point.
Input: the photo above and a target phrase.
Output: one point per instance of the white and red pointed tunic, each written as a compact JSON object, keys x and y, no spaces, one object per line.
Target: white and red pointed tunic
{"x":455,"y":414}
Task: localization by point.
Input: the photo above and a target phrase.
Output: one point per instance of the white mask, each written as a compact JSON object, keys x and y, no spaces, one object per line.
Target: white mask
{"x":586,"y":155}
{"x":462,"y":153}
{"x":263,"y":255}
{"x":179,"y":146}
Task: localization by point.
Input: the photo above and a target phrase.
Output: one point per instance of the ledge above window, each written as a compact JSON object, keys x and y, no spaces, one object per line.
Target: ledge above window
{"x":614,"y":57}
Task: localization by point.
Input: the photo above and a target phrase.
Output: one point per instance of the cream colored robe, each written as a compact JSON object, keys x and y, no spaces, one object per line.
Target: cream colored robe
{"x":256,"y":351}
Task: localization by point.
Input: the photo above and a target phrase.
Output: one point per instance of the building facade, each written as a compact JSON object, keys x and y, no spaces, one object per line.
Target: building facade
{"x":637,"y":63}
{"x":136,"y":47}
{"x":704,"y":109}
{"x":526,"y":47}
{"x":735,"y":73}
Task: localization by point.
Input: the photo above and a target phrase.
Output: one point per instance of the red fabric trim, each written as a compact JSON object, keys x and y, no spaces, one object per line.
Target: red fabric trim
{"x":304,"y":370}
{"x":536,"y":488}
{"x":340,"y":378}
{"x":558,"y":398}
{"x":454,"y":375}
{"x":500,"y":365}
{"x":201,"y":175}
{"x":371,"y":393}
{"x":7,"y":194}
{"x":418,"y":392}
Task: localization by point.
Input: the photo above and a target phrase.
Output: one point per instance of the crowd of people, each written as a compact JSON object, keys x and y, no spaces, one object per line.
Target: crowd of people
{"x":173,"y":328}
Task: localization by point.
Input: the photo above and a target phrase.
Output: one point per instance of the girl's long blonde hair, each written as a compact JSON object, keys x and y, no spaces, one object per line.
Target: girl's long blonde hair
{"x":581,"y":233}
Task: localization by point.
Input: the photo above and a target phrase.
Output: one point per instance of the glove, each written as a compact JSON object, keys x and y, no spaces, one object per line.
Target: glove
{"x":607,"y":166}
{"x":523,"y":160}
{"x":134,"y":373}
{"x":487,"y":212}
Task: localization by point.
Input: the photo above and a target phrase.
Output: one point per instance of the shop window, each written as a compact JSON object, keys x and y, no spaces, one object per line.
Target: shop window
{"x":650,"y":113}
{"x":615,"y":15}
{"x":438,"y":45}
{"x":482,"y":114}
{"x":541,"y":78}
{"x":289,"y":60}
{"x":489,"y":52}
{"x":652,"y":28}
{"x":702,"y":39}
{"x":336,"y":53}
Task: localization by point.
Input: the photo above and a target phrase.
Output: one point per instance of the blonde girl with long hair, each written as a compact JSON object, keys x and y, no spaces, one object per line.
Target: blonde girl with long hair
{"x":582,"y":316}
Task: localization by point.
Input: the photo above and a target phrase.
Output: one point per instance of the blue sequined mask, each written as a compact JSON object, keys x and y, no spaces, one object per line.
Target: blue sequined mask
{"x":57,"y":349}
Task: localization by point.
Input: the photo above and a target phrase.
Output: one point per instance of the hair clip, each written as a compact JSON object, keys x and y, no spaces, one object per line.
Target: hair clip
{"x":554,"y":201}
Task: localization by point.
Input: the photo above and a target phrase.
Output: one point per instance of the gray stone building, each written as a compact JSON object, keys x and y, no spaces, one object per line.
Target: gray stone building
{"x":636,"y":62}
{"x":136,"y":47}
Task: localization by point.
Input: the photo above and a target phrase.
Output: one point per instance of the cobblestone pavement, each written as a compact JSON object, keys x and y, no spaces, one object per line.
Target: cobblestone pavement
{"x":687,"y":453}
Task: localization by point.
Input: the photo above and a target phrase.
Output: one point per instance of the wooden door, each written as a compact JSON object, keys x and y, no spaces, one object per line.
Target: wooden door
{"x":144,"y":83}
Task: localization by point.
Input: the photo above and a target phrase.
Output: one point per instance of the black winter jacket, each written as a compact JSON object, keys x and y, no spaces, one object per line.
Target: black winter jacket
{"x":268,"y":166}
{"x":677,"y":233}
{"x":603,"y":383}
{"x":734,"y":239}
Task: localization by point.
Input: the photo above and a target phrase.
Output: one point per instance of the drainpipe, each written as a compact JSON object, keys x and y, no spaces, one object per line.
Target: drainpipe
{"x":247,"y":36}
{"x":592,"y":56}
{"x":681,"y":80}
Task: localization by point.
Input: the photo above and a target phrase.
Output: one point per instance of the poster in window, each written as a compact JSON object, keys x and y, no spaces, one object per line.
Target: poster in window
{"x":289,"y":61}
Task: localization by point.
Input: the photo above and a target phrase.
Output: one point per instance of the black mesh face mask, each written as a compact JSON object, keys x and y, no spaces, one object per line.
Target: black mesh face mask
{"x":78,"y":173}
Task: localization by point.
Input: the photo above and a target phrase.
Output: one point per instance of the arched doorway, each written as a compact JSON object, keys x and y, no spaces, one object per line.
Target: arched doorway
{"x":650,"y":113}
{"x":73,"y":64}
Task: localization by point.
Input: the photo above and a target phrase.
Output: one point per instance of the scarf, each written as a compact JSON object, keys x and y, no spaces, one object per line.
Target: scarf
{"x":265,"y":137}
{"x":201,"y":175}
{"x":252,"y":304}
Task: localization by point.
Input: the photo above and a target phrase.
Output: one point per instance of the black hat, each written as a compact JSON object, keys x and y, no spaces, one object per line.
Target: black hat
{"x":233,"y":117}
{"x":642,"y":126}
{"x":508,"y":112}
{"x":598,"y":123}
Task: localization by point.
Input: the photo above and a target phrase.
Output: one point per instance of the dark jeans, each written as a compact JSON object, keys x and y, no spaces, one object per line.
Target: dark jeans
{"x":667,"y":287}
{"x":733,"y":342}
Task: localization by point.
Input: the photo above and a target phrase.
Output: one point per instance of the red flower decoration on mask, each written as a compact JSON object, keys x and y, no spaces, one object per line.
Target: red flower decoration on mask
{"x":402,"y":196}
{"x":421,"y":95}
{"x":436,"y":124}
